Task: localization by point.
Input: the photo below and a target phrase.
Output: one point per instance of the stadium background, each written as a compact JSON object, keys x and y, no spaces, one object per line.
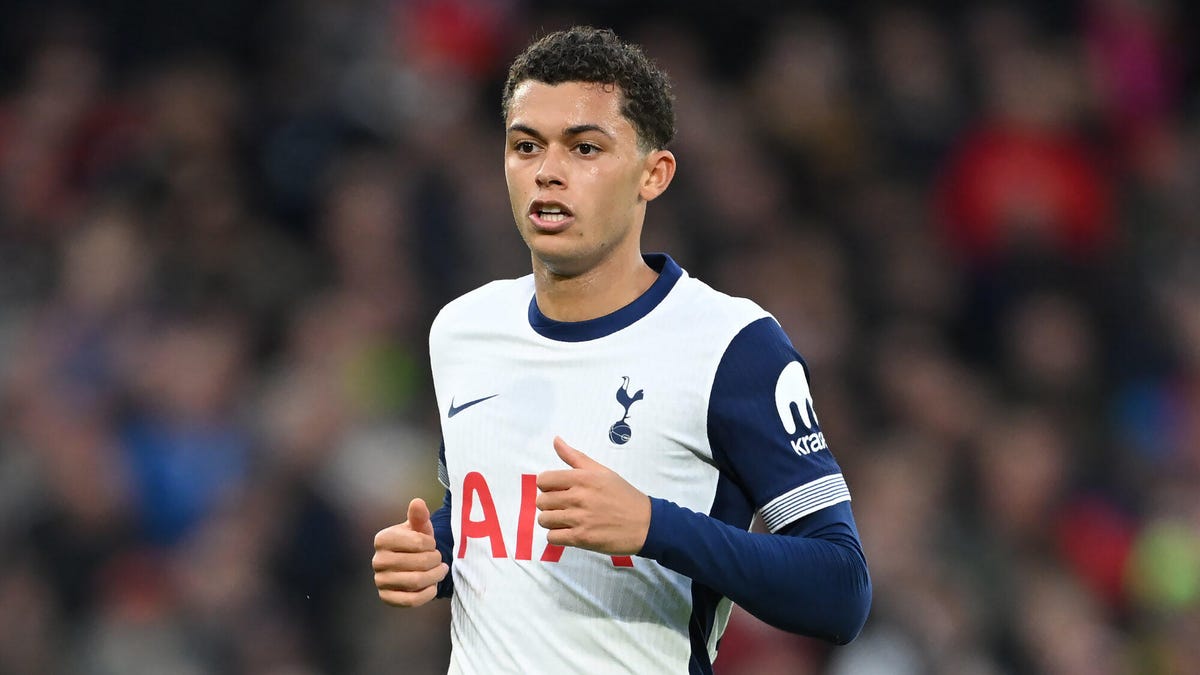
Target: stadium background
{"x":224,"y":228}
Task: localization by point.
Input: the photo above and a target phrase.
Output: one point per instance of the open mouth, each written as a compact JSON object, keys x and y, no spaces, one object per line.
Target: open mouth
{"x":549,"y":213}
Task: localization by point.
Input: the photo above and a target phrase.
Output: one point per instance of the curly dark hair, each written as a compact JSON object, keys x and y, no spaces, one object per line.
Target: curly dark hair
{"x":586,"y":54}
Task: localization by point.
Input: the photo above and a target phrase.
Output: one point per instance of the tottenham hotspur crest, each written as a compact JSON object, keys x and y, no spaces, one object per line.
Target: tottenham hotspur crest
{"x":620,"y":432}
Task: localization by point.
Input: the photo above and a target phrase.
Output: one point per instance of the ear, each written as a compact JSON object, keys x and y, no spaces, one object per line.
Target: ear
{"x":658,"y":170}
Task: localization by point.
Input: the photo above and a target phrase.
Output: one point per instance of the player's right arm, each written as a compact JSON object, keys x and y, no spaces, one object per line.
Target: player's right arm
{"x":408,"y":565}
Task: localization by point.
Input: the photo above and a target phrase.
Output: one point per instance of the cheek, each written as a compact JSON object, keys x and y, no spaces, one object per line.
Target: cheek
{"x":513,"y":180}
{"x":511,"y":175}
{"x":613,"y":185}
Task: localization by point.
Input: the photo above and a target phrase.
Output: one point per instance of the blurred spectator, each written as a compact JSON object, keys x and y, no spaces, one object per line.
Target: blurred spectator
{"x":919,"y":106}
{"x":59,"y":132}
{"x":1024,"y":178}
{"x":1134,"y":64}
{"x":186,"y":447}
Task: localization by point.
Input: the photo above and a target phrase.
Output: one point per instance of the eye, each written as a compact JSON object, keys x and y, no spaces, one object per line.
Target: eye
{"x":525,"y":147}
{"x":587,"y":149}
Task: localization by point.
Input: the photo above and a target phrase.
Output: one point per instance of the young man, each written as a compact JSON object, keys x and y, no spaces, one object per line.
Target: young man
{"x":612,"y":424}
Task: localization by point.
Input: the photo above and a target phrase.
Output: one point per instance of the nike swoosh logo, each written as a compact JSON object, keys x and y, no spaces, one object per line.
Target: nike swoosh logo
{"x":454,"y":410}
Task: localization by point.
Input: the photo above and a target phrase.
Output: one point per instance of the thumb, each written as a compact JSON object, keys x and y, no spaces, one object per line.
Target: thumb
{"x":418,"y":517}
{"x":574,"y":458}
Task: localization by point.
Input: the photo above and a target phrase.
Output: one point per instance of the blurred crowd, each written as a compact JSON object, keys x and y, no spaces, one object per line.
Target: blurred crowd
{"x":224,"y":230}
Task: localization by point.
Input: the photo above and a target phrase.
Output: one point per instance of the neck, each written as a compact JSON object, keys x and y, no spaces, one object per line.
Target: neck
{"x":596,"y":292}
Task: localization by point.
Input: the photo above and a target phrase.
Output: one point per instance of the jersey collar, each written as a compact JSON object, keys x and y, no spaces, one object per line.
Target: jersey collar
{"x":581,"y":331}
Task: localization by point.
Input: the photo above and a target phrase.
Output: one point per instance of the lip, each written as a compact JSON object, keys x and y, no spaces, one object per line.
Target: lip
{"x":548,"y":226}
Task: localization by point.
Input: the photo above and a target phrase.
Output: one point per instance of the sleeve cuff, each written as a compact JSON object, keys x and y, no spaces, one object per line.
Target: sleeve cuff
{"x":662,"y":514}
{"x":803,"y":500}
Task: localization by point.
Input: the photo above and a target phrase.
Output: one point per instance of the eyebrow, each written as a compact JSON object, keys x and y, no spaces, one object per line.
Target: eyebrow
{"x":569,"y":131}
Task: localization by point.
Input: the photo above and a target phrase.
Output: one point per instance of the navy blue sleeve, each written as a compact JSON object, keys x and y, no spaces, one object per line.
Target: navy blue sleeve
{"x":444,"y":533}
{"x":443,"y":530}
{"x":809,"y":576}
{"x":810,"y":579}
{"x":764,"y":432}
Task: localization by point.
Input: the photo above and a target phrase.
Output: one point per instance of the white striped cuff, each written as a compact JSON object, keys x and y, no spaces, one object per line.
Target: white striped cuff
{"x":801,"y":501}
{"x":443,"y":475}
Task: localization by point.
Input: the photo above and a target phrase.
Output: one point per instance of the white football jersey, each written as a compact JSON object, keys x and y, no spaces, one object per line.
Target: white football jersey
{"x":670,"y":393}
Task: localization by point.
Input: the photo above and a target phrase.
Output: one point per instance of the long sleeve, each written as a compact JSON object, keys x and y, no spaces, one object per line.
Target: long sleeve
{"x":444,"y":534}
{"x":809,"y":575}
{"x":443,"y":529}
{"x":809,"y":579}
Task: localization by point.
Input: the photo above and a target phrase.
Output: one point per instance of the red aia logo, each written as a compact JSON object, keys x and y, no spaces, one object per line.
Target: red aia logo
{"x":475,"y":488}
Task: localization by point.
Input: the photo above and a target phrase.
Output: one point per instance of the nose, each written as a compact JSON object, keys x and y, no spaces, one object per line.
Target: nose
{"x":552,"y":172}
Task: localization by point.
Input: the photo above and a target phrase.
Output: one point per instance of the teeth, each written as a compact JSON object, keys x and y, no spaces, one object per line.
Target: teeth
{"x":552,"y":209}
{"x":553,"y":216}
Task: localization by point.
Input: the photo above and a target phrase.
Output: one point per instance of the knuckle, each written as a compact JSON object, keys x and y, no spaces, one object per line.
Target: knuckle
{"x":417,"y":590}
{"x":389,"y":560}
{"x":395,"y":599}
{"x":430,"y":577}
{"x":397,"y":581}
{"x":389,"y":538}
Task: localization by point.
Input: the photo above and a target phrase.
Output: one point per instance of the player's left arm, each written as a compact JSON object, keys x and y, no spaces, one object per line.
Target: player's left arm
{"x":811,"y":581}
{"x":443,"y":531}
{"x":809,"y":575}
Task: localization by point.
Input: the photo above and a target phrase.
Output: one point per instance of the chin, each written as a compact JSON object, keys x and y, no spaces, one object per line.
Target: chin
{"x":566,"y":261}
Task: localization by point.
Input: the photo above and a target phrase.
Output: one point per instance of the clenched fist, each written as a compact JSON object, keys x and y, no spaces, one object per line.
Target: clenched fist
{"x":407,"y":563}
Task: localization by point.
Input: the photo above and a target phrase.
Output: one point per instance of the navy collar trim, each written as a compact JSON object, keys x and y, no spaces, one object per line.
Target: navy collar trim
{"x":669,"y":272}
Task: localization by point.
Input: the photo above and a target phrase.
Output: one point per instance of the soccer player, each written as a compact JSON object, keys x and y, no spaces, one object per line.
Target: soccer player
{"x":611,"y":424}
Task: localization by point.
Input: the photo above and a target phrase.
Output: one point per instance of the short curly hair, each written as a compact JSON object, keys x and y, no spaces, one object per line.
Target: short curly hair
{"x":586,"y":54}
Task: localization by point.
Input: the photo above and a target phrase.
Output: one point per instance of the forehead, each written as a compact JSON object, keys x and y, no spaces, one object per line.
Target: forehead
{"x":554,"y":106}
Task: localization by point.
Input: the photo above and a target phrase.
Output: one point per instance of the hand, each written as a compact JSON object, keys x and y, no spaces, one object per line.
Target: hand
{"x":590,"y":506}
{"x":407,"y":563}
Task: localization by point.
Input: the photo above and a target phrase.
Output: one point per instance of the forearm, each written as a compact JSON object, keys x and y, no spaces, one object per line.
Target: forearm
{"x":812,"y":581}
{"x":443,"y":532}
